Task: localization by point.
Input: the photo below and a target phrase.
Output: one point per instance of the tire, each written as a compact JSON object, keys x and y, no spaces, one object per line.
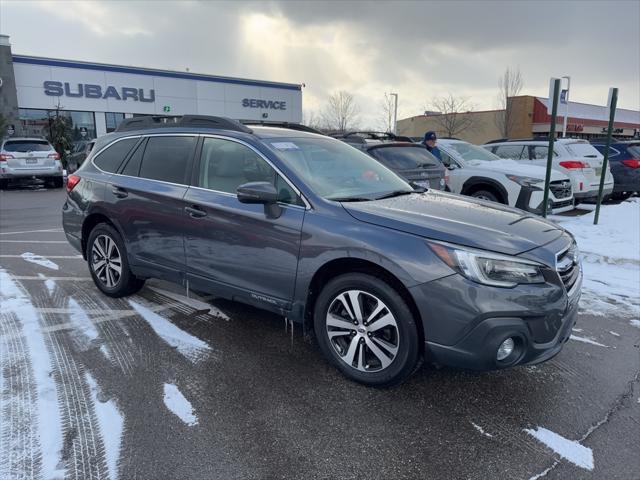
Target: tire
{"x":4,"y":183}
{"x":382,"y":356}
{"x":55,"y":182}
{"x":620,"y":196}
{"x":107,"y":279}
{"x":486,"y":195}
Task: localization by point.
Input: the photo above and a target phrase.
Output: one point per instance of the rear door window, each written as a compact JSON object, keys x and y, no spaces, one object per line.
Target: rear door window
{"x":167,"y":158}
{"x":132,"y":168}
{"x":405,"y":158}
{"x":513,"y":152}
{"x":110,"y":159}
{"x":23,"y":146}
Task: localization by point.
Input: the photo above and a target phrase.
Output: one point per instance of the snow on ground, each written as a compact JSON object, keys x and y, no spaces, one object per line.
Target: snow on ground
{"x":191,"y":347}
{"x":192,"y":301}
{"x":481,"y":430}
{"x":111,"y":426}
{"x":39,"y":260}
{"x":46,"y":415}
{"x":568,"y":449}
{"x":610,"y":258}
{"x":587,"y":340}
{"x":180,"y":406}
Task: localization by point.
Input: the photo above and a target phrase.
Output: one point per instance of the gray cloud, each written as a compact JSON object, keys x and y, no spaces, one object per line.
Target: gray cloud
{"x":419,"y":49}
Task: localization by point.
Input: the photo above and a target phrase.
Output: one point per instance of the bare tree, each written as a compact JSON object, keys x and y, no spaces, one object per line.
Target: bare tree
{"x":509,"y":86}
{"x":452,"y":116}
{"x":311,"y":119}
{"x":387,"y":107}
{"x":341,"y":113}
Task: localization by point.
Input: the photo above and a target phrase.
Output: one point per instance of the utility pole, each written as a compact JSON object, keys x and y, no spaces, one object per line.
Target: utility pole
{"x":554,"y":93}
{"x":395,"y":113}
{"x":566,"y":107}
{"x":612,"y":103}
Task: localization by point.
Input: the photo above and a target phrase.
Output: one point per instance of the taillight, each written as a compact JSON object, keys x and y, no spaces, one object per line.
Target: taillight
{"x":632,"y":162}
{"x":574,"y":164}
{"x":4,"y":157}
{"x":72,"y":181}
{"x":3,"y":166}
{"x":55,"y":156}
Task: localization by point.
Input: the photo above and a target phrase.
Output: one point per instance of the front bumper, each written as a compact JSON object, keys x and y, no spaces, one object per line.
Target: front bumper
{"x":531,"y":199}
{"x":464,"y":323}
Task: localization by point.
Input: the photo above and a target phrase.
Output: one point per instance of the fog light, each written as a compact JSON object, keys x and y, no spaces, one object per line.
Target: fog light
{"x":505,"y":349}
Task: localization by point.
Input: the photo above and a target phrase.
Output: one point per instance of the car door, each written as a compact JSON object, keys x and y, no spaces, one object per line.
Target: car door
{"x":146,"y":198}
{"x":247,"y":252}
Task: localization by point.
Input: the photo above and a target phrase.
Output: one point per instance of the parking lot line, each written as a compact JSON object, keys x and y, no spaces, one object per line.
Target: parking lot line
{"x":33,"y":241}
{"x":32,"y":231}
{"x":47,"y":256}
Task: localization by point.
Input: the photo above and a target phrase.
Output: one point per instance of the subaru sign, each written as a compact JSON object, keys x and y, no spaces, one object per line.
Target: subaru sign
{"x":87,"y":90}
{"x":268,"y":104}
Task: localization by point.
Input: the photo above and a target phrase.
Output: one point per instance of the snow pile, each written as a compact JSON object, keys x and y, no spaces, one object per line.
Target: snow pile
{"x":191,"y":347}
{"x":568,"y":449}
{"x":39,"y":260}
{"x":175,"y":401}
{"x":610,"y":258}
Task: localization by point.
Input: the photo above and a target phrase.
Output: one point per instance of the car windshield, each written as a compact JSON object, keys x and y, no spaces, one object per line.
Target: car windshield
{"x":405,"y":157}
{"x":27,"y":146}
{"x":337,"y":171}
{"x":472,"y":152}
{"x":583,"y":150}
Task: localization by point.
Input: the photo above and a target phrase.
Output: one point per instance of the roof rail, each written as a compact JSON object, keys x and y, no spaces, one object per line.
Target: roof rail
{"x":291,"y":126}
{"x":194,"y":121}
{"x":497,"y":140}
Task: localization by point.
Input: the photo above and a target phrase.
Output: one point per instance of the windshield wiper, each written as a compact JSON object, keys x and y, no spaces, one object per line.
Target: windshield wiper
{"x":350,"y":199}
{"x":397,"y":193}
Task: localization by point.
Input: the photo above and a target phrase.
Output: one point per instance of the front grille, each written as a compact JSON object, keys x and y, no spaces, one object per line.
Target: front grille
{"x":568,"y":266}
{"x":560,"y":188}
{"x":564,"y":203}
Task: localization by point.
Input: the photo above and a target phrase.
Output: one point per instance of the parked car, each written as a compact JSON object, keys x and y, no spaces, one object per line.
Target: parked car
{"x":624,"y":159}
{"x":24,"y":158}
{"x":315,"y":230}
{"x":574,"y":157}
{"x":478,"y":173}
{"x":364,"y":138}
{"x":80,"y":151}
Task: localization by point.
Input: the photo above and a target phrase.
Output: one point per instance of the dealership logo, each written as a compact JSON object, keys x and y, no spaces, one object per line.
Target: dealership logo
{"x":87,"y":90}
{"x":268,"y":104}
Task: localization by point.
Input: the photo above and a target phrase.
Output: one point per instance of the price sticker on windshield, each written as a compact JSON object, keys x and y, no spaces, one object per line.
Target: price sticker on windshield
{"x":285,"y":146}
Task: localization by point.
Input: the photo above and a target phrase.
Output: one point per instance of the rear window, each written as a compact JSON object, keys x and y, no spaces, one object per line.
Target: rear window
{"x":110,"y":159}
{"x":582,"y":150}
{"x":634,"y":150}
{"x":405,"y":158}
{"x":27,"y":146}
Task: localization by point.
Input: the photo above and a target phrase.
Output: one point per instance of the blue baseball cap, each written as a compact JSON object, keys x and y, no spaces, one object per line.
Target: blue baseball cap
{"x":430,"y":135}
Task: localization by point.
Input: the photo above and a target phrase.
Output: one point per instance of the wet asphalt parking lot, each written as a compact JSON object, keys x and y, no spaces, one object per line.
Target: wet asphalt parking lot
{"x":159,"y":385}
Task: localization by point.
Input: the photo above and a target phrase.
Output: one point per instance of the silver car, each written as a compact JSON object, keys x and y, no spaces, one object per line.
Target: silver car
{"x":24,"y":158}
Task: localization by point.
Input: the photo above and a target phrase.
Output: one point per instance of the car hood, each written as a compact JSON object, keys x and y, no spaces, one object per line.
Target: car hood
{"x":462,"y":220}
{"x":512,"y":167}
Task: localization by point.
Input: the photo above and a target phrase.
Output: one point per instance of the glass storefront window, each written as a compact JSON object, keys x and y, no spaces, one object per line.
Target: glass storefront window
{"x":112,"y":120}
{"x":35,"y":123}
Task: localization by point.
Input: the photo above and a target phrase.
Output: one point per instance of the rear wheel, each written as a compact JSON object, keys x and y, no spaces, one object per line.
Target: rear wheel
{"x":4,"y":183}
{"x":366,"y":330}
{"x":55,"y":182}
{"x":485,"y":195}
{"x":108,"y":262}
{"x":620,"y":196}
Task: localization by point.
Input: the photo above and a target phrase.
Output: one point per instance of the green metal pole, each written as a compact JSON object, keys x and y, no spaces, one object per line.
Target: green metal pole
{"x":552,"y":139}
{"x":605,"y":162}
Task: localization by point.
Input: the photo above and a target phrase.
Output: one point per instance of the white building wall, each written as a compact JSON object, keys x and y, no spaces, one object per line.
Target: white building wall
{"x":180,"y":96}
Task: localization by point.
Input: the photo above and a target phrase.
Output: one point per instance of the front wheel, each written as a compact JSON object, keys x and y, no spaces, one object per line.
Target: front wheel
{"x":108,"y":263}
{"x":366,"y":330}
{"x":485,"y":195}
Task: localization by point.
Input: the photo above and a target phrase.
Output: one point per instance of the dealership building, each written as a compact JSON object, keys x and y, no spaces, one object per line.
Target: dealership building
{"x":530,"y":118}
{"x":96,"y":97}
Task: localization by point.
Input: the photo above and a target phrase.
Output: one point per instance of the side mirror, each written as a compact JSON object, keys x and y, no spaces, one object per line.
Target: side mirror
{"x":257,"y":192}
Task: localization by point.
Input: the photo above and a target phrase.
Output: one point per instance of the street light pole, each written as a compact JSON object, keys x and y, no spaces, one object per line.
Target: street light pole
{"x":395,"y":113}
{"x":566,"y":107}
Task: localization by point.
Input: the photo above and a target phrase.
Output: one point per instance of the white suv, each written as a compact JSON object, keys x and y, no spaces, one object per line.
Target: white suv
{"x":577,"y":158}
{"x":478,"y":173}
{"x":22,"y":158}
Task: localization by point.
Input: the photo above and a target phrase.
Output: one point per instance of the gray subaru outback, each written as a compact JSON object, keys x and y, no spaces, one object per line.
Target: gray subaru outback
{"x":311,"y":228}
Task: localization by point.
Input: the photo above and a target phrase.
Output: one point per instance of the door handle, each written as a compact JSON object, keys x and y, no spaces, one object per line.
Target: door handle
{"x":119,"y":192}
{"x":195,"y":212}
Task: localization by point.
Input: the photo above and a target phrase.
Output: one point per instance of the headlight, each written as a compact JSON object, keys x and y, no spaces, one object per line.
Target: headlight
{"x":524,"y":181}
{"x":488,"y":268}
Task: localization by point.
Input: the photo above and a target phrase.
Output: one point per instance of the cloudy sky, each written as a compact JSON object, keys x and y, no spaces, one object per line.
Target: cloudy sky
{"x":420,"y":50}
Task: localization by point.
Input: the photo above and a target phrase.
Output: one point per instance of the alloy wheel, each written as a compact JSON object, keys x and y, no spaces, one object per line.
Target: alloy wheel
{"x":106,"y":261}
{"x":362,"y":331}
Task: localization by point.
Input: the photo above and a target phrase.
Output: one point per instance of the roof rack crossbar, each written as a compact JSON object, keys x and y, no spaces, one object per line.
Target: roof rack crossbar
{"x":291,"y":126}
{"x":195,"y":121}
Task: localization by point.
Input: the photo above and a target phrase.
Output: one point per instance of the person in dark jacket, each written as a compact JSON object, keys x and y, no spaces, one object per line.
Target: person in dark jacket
{"x":429,"y":141}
